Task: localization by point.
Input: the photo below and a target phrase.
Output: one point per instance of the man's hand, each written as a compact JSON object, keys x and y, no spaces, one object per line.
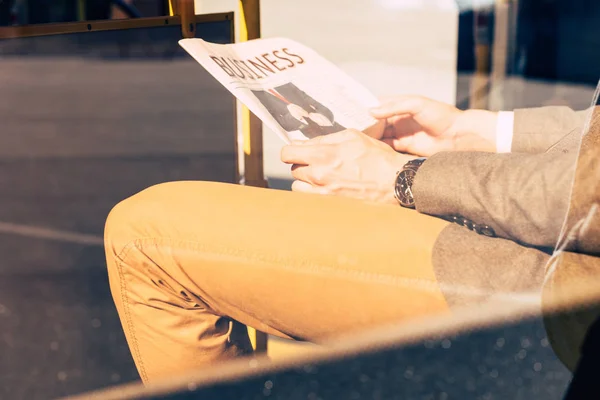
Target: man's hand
{"x":421,"y":126}
{"x":347,"y":163}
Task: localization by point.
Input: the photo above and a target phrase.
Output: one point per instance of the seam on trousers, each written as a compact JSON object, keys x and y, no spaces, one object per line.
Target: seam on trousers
{"x":125,"y":302}
{"x":121,"y":256}
{"x":282,"y":262}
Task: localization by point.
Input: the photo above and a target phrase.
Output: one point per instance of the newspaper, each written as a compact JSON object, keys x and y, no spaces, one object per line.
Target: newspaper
{"x":292,"y":89}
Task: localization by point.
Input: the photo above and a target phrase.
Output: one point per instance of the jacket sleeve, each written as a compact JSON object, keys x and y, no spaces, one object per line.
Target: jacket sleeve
{"x":522,"y":197}
{"x":536,"y":130}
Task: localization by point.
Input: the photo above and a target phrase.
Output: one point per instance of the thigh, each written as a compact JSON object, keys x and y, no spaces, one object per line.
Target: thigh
{"x":298,"y":265}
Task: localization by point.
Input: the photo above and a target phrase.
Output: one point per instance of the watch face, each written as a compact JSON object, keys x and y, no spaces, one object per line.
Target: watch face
{"x":404,"y":187}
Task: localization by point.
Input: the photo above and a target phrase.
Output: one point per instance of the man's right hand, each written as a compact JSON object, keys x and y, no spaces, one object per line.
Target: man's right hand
{"x":421,"y":126}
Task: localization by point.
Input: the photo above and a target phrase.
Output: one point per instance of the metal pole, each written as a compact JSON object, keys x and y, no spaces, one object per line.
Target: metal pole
{"x":185,"y":9}
{"x":173,"y":7}
{"x":479,"y":90}
{"x":252,"y":133}
{"x":251,"y":125}
{"x":502,"y":49}
{"x":81,"y":10}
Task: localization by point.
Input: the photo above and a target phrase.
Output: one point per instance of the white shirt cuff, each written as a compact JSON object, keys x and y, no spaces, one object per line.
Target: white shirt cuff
{"x":504,"y":131}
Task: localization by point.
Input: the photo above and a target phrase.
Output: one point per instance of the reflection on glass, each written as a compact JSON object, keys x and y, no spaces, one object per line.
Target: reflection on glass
{"x":476,"y":293}
{"x":89,"y":119}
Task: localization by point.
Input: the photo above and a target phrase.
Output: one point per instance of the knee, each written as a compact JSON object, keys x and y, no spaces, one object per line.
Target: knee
{"x":132,"y":218}
{"x":155,"y":210}
{"x":151,"y":212}
{"x":120,"y":226}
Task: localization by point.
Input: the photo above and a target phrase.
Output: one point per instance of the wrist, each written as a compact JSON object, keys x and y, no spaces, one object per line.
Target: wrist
{"x":475,"y":130}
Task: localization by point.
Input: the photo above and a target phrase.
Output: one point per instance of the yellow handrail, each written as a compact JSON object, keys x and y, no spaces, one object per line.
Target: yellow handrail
{"x":81,"y":10}
{"x":252,"y":133}
{"x":251,"y":126}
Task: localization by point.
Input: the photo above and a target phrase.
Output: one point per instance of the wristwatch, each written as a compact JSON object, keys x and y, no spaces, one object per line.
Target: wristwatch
{"x":404,"y":181}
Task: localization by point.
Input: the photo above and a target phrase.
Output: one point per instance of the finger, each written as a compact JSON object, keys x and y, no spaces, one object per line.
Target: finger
{"x":401,"y":105}
{"x":389,"y":141}
{"x":304,"y":187}
{"x":299,"y":154}
{"x":403,"y":145}
{"x":316,"y":176}
{"x":301,"y":173}
{"x":412,"y":144}
{"x":401,"y":126}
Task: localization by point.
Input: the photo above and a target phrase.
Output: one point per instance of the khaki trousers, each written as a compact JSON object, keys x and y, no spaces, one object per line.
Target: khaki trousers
{"x":190,"y":262}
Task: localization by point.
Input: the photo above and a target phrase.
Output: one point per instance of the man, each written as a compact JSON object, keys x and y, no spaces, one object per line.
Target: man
{"x":295,"y":110}
{"x":572,"y":275}
{"x":190,"y":261}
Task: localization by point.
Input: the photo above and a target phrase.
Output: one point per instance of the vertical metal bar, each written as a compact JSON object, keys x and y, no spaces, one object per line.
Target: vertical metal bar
{"x":251,"y":125}
{"x":480,"y":84}
{"x":501,"y":49}
{"x":185,"y":9}
{"x":236,"y":122}
{"x":252,"y":133}
{"x":81,"y":10}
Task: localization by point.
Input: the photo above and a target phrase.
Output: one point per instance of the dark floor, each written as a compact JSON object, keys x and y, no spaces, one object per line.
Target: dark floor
{"x":59,"y":332}
{"x":512,"y":362}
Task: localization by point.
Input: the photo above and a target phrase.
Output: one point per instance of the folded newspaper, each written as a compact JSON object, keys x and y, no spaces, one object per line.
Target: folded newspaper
{"x":292,"y":89}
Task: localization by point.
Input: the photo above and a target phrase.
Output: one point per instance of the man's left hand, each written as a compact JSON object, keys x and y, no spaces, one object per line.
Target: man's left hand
{"x":347,"y":163}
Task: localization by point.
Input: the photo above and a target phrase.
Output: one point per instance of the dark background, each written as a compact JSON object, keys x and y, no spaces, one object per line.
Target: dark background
{"x":87,"y":120}
{"x":558,"y":38}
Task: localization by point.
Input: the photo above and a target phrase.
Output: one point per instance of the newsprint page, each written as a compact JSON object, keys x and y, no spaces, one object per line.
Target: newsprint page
{"x":292,"y":89}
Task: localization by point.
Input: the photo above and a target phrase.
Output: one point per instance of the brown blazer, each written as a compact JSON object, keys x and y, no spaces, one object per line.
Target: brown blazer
{"x":525,"y":197}
{"x":575,"y":268}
